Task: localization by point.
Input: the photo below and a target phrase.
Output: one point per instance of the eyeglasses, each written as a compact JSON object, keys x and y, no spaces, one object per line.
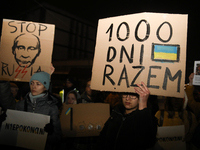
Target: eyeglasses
{"x":130,"y":96}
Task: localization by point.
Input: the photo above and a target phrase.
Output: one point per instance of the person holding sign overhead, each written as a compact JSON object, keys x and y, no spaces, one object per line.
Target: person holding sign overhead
{"x":131,"y":125}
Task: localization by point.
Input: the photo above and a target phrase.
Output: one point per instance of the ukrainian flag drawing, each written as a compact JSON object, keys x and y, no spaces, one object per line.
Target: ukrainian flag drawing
{"x":68,"y":111}
{"x":165,"y":53}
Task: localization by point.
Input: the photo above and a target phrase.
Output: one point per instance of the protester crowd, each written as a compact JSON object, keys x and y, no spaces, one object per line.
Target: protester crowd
{"x":134,"y":117}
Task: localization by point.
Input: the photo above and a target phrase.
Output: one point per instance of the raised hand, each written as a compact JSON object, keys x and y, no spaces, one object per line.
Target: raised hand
{"x":52,"y":69}
{"x":143,"y":93}
{"x":191,"y":79}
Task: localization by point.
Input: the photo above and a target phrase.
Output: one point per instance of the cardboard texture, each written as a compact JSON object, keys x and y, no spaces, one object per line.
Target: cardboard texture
{"x":170,"y":138}
{"x":26,"y":48}
{"x":148,"y":47}
{"x":24,"y":129}
{"x":81,"y":120}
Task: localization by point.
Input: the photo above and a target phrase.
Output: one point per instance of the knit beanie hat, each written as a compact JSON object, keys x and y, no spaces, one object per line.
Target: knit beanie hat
{"x":43,"y":77}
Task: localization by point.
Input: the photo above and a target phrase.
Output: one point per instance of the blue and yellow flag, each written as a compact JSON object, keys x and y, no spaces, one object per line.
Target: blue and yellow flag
{"x":165,"y":52}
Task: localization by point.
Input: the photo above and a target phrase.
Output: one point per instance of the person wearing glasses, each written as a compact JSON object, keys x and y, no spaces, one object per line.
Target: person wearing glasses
{"x":131,"y":125}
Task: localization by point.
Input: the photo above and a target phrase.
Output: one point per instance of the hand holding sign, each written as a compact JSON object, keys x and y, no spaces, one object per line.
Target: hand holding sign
{"x":144,"y":93}
{"x":52,"y":69}
{"x":191,"y":77}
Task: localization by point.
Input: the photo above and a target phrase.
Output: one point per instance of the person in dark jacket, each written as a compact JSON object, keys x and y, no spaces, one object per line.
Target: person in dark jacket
{"x":131,"y":125}
{"x":70,"y":85}
{"x":7,"y":100}
{"x":41,"y":102}
{"x":86,"y":96}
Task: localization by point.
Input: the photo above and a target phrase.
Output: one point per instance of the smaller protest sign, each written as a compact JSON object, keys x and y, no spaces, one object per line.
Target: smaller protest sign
{"x":24,"y":129}
{"x":79,"y":120}
{"x":170,"y":138}
{"x":26,"y":48}
{"x":196,"y":79}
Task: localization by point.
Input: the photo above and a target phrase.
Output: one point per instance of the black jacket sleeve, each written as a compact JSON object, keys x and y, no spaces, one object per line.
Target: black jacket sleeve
{"x":147,"y":128}
{"x":100,"y":145}
{"x":7,"y":100}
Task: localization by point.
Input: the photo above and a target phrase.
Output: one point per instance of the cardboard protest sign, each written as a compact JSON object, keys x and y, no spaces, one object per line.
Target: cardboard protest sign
{"x":148,"y":47}
{"x":26,"y":48}
{"x":170,"y":138}
{"x":196,"y":79}
{"x":79,"y":120}
{"x":24,"y":129}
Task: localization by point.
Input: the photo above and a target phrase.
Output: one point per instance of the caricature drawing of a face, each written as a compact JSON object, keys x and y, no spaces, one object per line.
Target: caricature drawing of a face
{"x":26,"y":49}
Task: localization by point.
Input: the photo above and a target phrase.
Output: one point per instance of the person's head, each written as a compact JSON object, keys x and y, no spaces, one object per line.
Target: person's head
{"x":26,"y":50}
{"x":24,"y":89}
{"x":174,"y":104}
{"x":73,"y":97}
{"x":130,"y":101}
{"x":88,"y":89}
{"x":69,"y":82}
{"x":14,"y":89}
{"x":39,"y":83}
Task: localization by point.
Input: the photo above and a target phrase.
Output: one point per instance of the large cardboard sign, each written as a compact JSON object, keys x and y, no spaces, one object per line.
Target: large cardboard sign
{"x":79,"y":120}
{"x":24,"y":129}
{"x":26,"y":48}
{"x":170,"y":138}
{"x":148,"y":47}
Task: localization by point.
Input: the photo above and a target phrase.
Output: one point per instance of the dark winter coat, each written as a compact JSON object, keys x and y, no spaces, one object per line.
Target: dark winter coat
{"x":135,"y":131}
{"x":44,"y":105}
{"x":7,"y":100}
{"x":85,"y":98}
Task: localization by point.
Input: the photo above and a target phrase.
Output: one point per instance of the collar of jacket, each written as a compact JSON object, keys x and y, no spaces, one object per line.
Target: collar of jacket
{"x":119,"y":109}
{"x":84,"y":96}
{"x":47,"y":98}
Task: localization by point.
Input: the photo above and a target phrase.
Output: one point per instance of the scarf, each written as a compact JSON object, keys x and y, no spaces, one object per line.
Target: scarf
{"x":34,"y":97}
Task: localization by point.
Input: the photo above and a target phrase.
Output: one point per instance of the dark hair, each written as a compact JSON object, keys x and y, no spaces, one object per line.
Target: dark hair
{"x":75,"y":93}
{"x":89,"y":79}
{"x":78,"y":98}
{"x":170,"y":109}
{"x":128,"y":93}
{"x":70,"y":79}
